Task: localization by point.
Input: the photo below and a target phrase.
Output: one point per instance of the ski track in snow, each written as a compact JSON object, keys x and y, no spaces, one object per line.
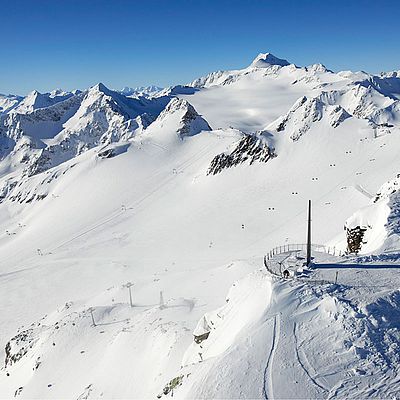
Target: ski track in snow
{"x":151,"y":215}
{"x":268,"y":390}
{"x":184,"y":165}
{"x":305,"y":365}
{"x":364,"y":191}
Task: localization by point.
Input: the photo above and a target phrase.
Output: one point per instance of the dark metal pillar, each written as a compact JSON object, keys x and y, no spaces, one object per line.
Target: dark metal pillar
{"x":309,"y":235}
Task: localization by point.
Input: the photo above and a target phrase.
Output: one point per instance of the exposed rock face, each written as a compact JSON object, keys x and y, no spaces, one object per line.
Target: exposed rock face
{"x":200,"y":338}
{"x":18,"y":346}
{"x":36,"y":100}
{"x":376,"y":227}
{"x":307,"y":111}
{"x":337,"y":115}
{"x":179,"y":118}
{"x":355,"y":239}
{"x":112,"y":150}
{"x":388,"y":189}
{"x":170,"y":386}
{"x":42,"y":122}
{"x":103,"y":117}
{"x":208,"y":80}
{"x":190,"y":117}
{"x":250,"y":148}
{"x":361,"y":100}
{"x":75,"y":123}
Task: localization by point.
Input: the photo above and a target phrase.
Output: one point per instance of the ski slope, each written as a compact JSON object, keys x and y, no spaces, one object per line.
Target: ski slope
{"x":141,"y":208}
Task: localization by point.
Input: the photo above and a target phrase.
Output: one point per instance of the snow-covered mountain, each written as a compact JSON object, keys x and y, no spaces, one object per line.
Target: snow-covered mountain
{"x":36,"y":100}
{"x":8,"y":102}
{"x":135,"y":223}
{"x":141,"y":91}
{"x":375,"y":228}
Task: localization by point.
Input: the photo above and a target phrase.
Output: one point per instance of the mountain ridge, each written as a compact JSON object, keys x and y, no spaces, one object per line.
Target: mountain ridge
{"x":138,"y":230}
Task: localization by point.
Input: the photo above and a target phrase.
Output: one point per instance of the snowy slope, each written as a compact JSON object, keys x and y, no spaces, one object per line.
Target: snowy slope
{"x":252,"y":98}
{"x":379,"y":221}
{"x":179,"y":194}
{"x":36,"y":100}
{"x":8,"y":102}
{"x":140,"y":91}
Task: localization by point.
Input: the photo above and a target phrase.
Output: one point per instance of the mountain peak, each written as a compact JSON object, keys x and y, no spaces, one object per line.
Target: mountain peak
{"x":58,"y":92}
{"x":31,"y":96}
{"x":100,"y":87}
{"x":140,"y":90}
{"x":264,"y":60}
{"x":180,"y":117}
{"x":178,"y":104}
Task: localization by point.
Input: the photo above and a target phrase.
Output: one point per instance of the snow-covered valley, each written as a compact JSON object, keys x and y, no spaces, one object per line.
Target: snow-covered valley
{"x":182,"y":191}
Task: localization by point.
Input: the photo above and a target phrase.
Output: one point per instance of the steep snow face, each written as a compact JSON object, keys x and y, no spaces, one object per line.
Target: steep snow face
{"x":36,"y":100}
{"x":335,"y":107}
{"x":304,"y":113}
{"x":179,"y":118}
{"x":209,"y":80}
{"x":265,"y":60}
{"x":8,"y":102}
{"x":173,"y":91}
{"x":363,"y":101}
{"x":380,"y":220}
{"x":387,"y":84}
{"x":140,"y":91}
{"x":41,"y":123}
{"x":319,"y":68}
{"x":68,"y":128}
{"x":104,"y":117}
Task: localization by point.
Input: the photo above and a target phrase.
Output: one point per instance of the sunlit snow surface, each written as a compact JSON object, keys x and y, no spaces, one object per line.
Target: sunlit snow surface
{"x":152,"y":216}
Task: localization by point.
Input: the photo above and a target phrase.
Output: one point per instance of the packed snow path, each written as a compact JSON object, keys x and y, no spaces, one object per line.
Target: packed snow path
{"x":296,"y":340}
{"x":265,"y":342}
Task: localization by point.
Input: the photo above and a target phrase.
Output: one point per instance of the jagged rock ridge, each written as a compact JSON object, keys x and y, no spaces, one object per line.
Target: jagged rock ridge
{"x":250,"y":148}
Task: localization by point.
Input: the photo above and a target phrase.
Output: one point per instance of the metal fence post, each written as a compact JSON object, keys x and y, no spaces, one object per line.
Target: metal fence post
{"x":91,"y":313}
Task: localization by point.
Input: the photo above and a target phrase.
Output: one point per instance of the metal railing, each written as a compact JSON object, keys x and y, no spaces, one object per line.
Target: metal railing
{"x":303,"y":247}
{"x":296,"y":247}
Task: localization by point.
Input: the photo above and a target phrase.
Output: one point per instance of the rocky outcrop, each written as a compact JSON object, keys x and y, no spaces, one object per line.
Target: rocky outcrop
{"x":336,"y":115}
{"x":18,"y":346}
{"x":41,"y":123}
{"x":250,"y":149}
{"x":36,"y":100}
{"x":355,"y":239}
{"x":376,"y":227}
{"x":179,"y":118}
{"x":306,"y":111}
{"x":103,"y":117}
{"x":190,"y":118}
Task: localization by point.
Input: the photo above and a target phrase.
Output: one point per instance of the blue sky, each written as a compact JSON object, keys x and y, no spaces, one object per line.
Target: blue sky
{"x":75,"y":44}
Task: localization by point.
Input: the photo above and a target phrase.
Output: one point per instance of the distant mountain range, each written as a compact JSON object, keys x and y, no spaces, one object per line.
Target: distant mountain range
{"x":173,"y":196}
